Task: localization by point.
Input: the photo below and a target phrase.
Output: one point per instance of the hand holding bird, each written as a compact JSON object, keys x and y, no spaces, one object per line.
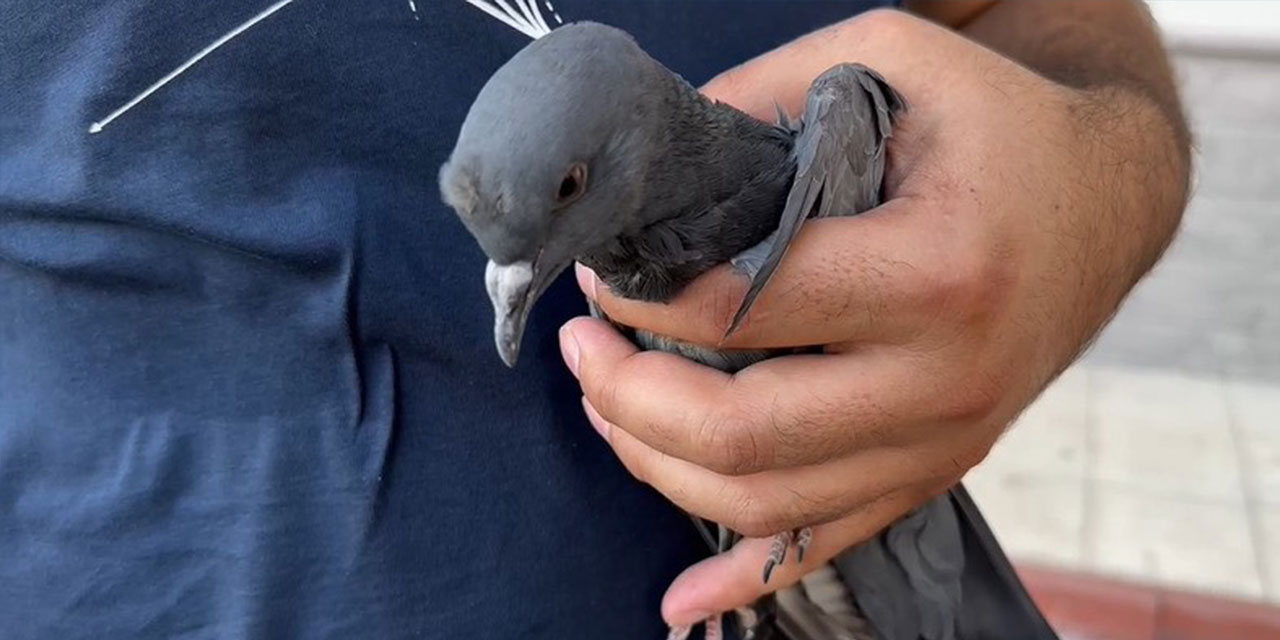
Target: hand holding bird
{"x":942,"y":313}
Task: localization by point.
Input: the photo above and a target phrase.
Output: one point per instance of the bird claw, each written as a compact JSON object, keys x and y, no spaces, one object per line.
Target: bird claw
{"x":803,"y":538}
{"x":748,"y":621}
{"x":714,"y":625}
{"x":713,"y":629}
{"x":778,"y":550}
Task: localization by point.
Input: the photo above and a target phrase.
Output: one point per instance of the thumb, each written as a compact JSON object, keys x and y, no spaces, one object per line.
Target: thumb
{"x":733,"y":579}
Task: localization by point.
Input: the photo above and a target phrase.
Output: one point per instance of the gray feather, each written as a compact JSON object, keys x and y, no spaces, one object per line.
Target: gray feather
{"x":820,"y":608}
{"x":839,"y":156}
{"x":750,"y":262}
{"x":907,"y":579}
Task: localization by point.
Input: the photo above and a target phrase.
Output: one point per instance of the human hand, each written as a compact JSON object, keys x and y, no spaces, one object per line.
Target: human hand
{"x":1019,"y":213}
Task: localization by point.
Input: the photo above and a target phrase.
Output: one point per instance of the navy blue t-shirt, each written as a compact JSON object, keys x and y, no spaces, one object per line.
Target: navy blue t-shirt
{"x":248,"y":387}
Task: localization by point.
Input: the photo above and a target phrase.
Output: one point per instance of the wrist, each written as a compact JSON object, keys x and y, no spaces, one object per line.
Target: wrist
{"x":1141,"y":152}
{"x":1133,"y":165}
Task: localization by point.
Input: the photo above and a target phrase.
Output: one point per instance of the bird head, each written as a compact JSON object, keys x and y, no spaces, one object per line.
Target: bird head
{"x":548,"y":163}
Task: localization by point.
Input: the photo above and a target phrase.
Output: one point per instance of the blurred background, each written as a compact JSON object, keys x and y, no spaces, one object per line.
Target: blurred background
{"x":1140,"y":496}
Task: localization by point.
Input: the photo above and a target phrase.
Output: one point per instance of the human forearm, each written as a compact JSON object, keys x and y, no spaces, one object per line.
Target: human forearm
{"x":1085,"y":44}
{"x":1081,"y":43}
{"x":1110,"y":50}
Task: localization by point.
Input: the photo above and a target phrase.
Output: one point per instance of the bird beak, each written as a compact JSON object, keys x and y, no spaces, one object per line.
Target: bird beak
{"x":513,"y":288}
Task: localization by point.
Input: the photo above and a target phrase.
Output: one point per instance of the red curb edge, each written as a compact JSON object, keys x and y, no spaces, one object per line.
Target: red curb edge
{"x":1081,"y":606}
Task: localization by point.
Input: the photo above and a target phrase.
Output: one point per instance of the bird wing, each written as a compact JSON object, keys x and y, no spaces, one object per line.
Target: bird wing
{"x":839,"y":156}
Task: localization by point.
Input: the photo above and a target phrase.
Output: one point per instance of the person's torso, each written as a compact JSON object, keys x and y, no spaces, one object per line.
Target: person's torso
{"x":248,"y":386}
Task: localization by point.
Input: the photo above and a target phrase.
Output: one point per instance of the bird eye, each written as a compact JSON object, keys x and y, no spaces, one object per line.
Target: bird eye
{"x":573,"y":185}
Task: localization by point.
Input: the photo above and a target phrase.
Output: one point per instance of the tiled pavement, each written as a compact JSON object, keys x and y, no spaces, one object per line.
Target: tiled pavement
{"x":1157,"y":457}
{"x":1148,"y":474}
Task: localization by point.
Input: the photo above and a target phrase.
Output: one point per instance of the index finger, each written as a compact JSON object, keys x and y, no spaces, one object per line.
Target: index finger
{"x":876,"y":276}
{"x":732,"y":579}
{"x":784,"y":412}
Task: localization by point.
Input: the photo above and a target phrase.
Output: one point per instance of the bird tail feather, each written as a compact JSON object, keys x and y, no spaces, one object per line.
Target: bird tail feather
{"x":938,"y":573}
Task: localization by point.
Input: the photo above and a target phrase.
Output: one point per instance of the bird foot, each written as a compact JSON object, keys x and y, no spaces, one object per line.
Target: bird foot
{"x":713,"y":629}
{"x":748,"y":622}
{"x":778,"y":550}
{"x":803,"y":538}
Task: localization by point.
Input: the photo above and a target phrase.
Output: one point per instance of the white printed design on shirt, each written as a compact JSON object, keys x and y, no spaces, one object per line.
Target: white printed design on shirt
{"x":527,"y":18}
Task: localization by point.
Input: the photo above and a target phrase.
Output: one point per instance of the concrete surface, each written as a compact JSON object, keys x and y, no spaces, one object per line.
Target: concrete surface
{"x":1157,"y":457}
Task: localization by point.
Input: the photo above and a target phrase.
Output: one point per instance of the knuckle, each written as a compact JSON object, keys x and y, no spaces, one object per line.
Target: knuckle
{"x":603,"y":394}
{"x":887,"y":24}
{"x":825,"y":428}
{"x":952,"y":465}
{"x":973,"y":287}
{"x":968,"y":457}
{"x":728,"y":438}
{"x":975,"y":400}
{"x":963,"y":287}
{"x":755,"y":518}
{"x":610,"y":388}
{"x":636,"y":469}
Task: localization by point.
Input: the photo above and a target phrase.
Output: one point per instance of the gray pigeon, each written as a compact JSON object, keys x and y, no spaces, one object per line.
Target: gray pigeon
{"x":583,"y":147}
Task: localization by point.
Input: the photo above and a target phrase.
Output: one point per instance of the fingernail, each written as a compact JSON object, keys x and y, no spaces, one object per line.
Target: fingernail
{"x":586,"y":279}
{"x":601,"y":425}
{"x":569,"y":349}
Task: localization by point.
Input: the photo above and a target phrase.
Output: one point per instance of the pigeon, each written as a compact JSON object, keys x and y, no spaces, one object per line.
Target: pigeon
{"x":582,"y":147}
